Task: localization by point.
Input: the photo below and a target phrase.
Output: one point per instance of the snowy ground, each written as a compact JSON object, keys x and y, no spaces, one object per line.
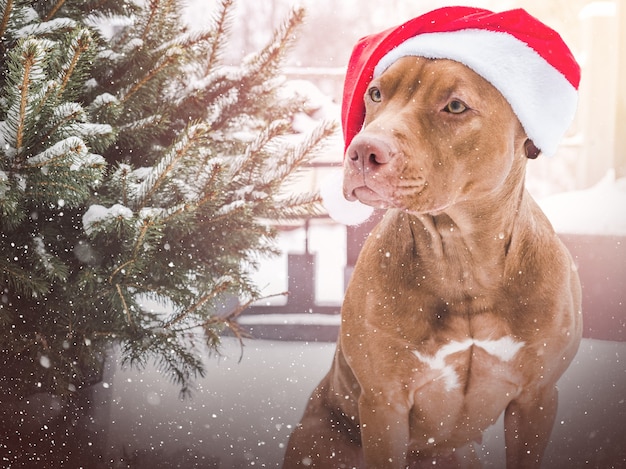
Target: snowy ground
{"x":242,"y":412}
{"x":601,"y":209}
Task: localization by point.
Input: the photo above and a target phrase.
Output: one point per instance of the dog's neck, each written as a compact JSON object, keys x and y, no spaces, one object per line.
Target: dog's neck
{"x":478,"y":232}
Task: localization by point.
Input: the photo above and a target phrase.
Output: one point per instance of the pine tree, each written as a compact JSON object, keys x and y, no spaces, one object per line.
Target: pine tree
{"x":135,"y":170}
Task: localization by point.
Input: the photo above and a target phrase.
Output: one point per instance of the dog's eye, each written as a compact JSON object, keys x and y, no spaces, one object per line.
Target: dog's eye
{"x":375,"y":94}
{"x":455,"y":107}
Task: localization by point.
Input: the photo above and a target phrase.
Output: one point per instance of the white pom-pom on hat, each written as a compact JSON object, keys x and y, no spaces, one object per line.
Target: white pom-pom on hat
{"x":339,"y":209}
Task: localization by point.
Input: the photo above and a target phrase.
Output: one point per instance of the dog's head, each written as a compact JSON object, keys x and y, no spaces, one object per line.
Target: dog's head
{"x":435,"y":133}
{"x":442,"y":108}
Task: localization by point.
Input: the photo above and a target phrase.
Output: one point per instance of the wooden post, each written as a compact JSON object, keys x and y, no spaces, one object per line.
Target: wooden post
{"x":301,"y":276}
{"x":597,"y":107}
{"x":301,"y":281}
{"x":355,"y":238}
{"x":620,"y":118}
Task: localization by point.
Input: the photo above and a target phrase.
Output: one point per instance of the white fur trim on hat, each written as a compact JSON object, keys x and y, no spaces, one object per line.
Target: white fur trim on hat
{"x":541,"y":97}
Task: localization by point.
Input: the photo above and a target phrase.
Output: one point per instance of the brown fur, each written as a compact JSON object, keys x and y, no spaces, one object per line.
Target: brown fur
{"x":463,"y":254}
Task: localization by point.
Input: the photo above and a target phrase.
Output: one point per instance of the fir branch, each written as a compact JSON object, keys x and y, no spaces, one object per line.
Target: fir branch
{"x":220,"y":288}
{"x":80,"y":44}
{"x":294,"y":207}
{"x":208,"y":196}
{"x":62,"y":117}
{"x":172,"y":354}
{"x":124,"y":306}
{"x":169,"y":162}
{"x":122,"y":174}
{"x":50,"y":90}
{"x":29,"y":57}
{"x":184,"y":41}
{"x":6,"y":15}
{"x":21,"y":280}
{"x":119,"y":269}
{"x":153,"y":6}
{"x":179,"y":209}
{"x":26,"y":74}
{"x":256,"y":147}
{"x":53,"y":11}
{"x":157,"y":8}
{"x":220,"y":34}
{"x":51,"y":264}
{"x":72,"y":188}
{"x":46,"y":28}
{"x":170,"y":57}
{"x":301,"y":153}
{"x":146,"y":225}
{"x":269,"y":58}
{"x":230,"y":321}
{"x":174,"y":357}
{"x":226,"y":212}
{"x":138,"y":125}
{"x":52,"y":189}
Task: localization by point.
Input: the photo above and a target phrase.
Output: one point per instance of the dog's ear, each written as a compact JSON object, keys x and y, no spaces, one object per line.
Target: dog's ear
{"x":531,"y":150}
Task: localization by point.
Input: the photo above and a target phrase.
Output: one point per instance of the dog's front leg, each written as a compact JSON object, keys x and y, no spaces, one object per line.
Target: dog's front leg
{"x":527,"y":424}
{"x":384,"y":429}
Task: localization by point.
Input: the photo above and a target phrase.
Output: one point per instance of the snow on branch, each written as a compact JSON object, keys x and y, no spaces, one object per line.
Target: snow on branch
{"x":4,"y":184}
{"x":90,"y":130}
{"x":70,"y":119}
{"x":46,"y":27}
{"x":97,"y":216}
{"x":102,"y":100}
{"x":67,"y":112}
{"x":71,"y":149}
{"x":49,"y":262}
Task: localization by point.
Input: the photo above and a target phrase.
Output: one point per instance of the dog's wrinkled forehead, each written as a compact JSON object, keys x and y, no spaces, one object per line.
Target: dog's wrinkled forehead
{"x":524,"y":59}
{"x":428,"y":82}
{"x":413,"y":73}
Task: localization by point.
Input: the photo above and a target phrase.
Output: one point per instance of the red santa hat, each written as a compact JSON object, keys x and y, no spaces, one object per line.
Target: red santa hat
{"x":524,"y":59}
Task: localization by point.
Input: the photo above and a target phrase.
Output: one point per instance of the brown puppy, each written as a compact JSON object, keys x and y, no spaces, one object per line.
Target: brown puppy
{"x":463,"y":304}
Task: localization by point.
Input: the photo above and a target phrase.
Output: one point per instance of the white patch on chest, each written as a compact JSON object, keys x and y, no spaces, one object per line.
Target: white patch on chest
{"x":504,"y":349}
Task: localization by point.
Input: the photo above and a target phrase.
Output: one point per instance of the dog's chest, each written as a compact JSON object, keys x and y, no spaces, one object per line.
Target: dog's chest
{"x":457,"y":377}
{"x":461,"y":390}
{"x":457,"y":362}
